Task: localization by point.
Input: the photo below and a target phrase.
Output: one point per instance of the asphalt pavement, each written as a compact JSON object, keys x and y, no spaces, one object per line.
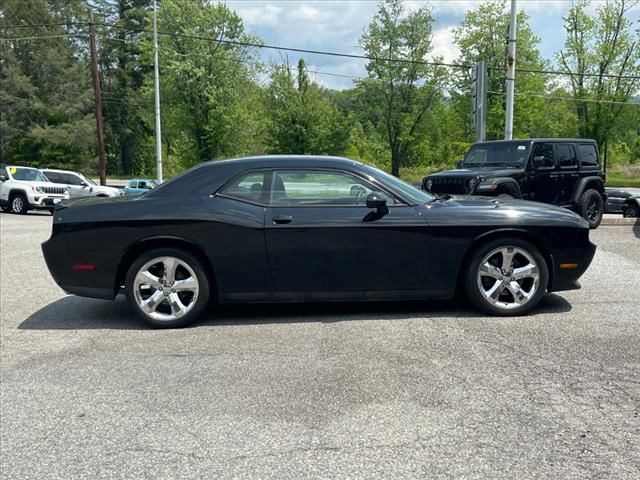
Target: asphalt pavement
{"x":394,"y":390}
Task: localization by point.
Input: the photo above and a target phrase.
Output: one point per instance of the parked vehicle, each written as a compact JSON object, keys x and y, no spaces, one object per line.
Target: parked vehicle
{"x":616,"y":200}
{"x":296,"y":229}
{"x":632,"y":207}
{"x":138,"y":186}
{"x":564,"y":172}
{"x":79,"y":185}
{"x":24,"y":188}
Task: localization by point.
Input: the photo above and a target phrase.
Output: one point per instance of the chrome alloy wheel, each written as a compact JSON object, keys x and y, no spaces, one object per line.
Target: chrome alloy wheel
{"x":508,"y":277}
{"x":166,"y":288}
{"x":17,"y":205}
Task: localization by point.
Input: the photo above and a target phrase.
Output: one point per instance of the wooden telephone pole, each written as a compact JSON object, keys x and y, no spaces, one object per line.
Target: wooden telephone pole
{"x":102,"y":167}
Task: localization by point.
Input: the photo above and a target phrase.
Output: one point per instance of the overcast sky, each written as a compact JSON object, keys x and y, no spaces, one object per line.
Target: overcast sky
{"x":337,"y":25}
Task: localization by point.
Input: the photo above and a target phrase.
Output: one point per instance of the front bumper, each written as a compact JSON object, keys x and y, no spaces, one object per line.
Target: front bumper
{"x":568,"y":266}
{"x":46,"y":201}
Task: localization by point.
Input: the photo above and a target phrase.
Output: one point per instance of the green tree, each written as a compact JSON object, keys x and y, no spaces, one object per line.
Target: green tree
{"x":400,"y":84}
{"x":483,"y":35}
{"x":606,"y":48}
{"x":302,"y":119}
{"x":46,"y":117}
{"x":122,"y":75}
{"x":210,"y":100}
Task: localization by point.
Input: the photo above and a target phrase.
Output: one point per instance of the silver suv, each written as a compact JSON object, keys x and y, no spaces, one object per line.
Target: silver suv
{"x":24,"y":188}
{"x":79,"y":185}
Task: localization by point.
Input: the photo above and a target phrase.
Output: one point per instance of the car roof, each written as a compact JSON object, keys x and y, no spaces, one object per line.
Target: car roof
{"x":284,"y":161}
{"x":59,"y":170}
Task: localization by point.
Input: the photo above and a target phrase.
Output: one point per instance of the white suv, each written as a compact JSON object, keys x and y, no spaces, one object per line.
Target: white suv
{"x":79,"y":185}
{"x":24,"y":188}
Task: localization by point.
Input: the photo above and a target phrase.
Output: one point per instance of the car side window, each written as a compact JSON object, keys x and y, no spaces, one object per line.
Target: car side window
{"x":544,"y":154}
{"x":70,"y":179}
{"x":251,"y":187}
{"x":53,"y":177}
{"x":588,"y":155}
{"x":322,"y":188}
{"x":567,"y":156}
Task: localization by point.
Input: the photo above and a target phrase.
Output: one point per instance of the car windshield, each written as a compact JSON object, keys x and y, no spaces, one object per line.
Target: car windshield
{"x":27,"y":174}
{"x":88,"y":180}
{"x":497,"y":154}
{"x":417,"y":196}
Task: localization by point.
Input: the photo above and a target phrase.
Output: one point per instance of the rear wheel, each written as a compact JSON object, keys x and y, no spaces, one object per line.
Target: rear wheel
{"x":167,"y":287}
{"x":506,"y":277}
{"x":591,"y":207}
{"x":19,"y":204}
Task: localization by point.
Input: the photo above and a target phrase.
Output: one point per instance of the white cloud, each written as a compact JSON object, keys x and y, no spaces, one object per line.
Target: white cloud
{"x":258,"y":13}
{"x":443,"y":45}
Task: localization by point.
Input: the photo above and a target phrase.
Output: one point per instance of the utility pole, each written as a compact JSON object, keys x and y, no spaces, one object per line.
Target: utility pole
{"x":479,"y":100}
{"x":157,"y":95}
{"x":511,"y":72}
{"x":102,"y":167}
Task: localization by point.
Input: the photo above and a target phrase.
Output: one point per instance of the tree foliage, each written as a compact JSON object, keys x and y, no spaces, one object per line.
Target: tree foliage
{"x":219,"y":100}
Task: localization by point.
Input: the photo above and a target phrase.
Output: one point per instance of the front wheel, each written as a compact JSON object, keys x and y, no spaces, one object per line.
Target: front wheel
{"x":591,"y":207}
{"x":631,"y":212}
{"x":19,"y":204}
{"x":506,"y":277}
{"x":167,"y":287}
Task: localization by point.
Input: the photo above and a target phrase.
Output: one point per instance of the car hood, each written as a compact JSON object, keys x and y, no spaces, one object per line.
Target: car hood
{"x":487,"y":172}
{"x":36,"y":183}
{"x":472,"y":210}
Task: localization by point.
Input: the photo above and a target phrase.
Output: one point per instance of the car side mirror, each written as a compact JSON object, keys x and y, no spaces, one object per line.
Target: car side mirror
{"x":83,"y":183}
{"x":374,"y":200}
{"x":539,"y":161}
{"x":459,"y":164}
{"x":3,"y":177}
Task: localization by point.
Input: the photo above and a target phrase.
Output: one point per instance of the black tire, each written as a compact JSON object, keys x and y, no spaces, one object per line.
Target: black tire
{"x":196,"y":309}
{"x":630,"y":211}
{"x":473,"y":289}
{"x":18,"y":204}
{"x":591,"y":207}
{"x":6,"y":209}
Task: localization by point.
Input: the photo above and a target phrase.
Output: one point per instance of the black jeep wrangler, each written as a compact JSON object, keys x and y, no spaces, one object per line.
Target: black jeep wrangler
{"x":564,"y":172}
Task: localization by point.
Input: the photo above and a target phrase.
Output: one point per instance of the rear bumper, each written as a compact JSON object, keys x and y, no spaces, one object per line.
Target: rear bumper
{"x":567,"y":278}
{"x":95,"y":283}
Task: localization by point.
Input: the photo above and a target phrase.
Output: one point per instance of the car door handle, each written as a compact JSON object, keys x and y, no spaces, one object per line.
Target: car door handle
{"x":282,"y":219}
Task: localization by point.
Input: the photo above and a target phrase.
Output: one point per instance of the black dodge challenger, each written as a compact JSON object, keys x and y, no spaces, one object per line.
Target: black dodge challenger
{"x":299,"y":228}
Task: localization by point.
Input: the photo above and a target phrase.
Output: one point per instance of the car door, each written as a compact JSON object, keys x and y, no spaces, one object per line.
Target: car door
{"x":76,"y":184}
{"x":545,"y":176}
{"x":321,"y":237}
{"x":567,"y":172}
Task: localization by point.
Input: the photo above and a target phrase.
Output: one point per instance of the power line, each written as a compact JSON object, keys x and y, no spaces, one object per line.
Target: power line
{"x":325,"y":53}
{"x":289,"y":49}
{"x":572,"y":99}
{"x":59,"y":24}
{"x":65,"y":35}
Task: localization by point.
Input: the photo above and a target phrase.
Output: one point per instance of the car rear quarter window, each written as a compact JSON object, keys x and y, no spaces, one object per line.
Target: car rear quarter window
{"x":321,"y":188}
{"x":588,"y":155}
{"x":251,"y":187}
{"x":566,"y":156}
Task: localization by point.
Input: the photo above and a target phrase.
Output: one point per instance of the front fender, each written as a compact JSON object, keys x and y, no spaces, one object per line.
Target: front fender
{"x":491,"y":185}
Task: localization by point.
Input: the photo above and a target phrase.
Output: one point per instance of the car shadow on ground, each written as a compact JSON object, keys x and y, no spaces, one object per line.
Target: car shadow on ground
{"x":76,"y":313}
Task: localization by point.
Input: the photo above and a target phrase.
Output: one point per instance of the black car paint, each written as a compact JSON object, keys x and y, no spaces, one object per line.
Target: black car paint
{"x":324,"y":253}
{"x":556,"y":185}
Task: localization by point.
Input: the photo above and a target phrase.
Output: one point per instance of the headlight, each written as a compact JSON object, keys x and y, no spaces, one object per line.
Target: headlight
{"x":472,"y":184}
{"x":428,"y":184}
{"x":39,"y":189}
